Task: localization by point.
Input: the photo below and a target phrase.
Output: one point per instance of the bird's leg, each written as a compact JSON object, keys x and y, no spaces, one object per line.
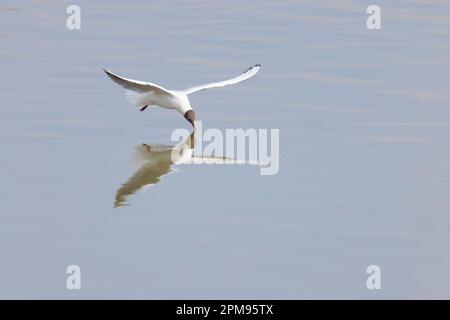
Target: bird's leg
{"x":143,"y":108}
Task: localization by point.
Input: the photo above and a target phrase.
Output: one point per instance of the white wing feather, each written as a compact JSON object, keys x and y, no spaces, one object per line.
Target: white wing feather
{"x":250,"y":72}
{"x":138,"y":92}
{"x":136,"y":85}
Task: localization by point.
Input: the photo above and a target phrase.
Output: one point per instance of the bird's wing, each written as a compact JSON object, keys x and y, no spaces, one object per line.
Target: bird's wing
{"x":138,"y":86}
{"x":220,"y":160}
{"x":152,"y":162}
{"x":150,"y":174}
{"x":250,"y":72}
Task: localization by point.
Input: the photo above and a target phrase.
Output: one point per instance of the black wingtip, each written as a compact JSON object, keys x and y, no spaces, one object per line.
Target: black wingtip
{"x":256,"y":65}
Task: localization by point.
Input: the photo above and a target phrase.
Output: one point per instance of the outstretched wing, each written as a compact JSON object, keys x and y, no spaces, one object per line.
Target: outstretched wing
{"x":153,"y":162}
{"x":150,"y":174}
{"x":138,"y":86}
{"x":250,"y":72}
{"x":221,"y":160}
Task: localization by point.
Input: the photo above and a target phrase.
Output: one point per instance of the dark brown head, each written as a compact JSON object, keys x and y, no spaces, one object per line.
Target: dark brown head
{"x":190,"y":117}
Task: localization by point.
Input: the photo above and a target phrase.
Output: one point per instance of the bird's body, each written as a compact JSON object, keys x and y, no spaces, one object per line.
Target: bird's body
{"x":147,"y":94}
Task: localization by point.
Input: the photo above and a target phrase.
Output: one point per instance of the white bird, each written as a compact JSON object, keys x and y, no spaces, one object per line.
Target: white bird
{"x":145,"y":94}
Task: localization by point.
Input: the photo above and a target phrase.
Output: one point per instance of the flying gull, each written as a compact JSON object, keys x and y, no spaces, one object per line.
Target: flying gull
{"x":145,"y":94}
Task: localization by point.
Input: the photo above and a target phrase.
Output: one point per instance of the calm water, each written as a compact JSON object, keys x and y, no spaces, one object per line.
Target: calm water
{"x":364,"y":176}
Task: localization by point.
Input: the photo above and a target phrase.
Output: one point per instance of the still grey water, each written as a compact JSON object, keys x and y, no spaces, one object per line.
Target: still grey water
{"x":364,"y":175}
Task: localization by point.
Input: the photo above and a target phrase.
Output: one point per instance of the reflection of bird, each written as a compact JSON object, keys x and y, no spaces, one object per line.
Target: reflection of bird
{"x":145,"y":94}
{"x":156,"y":160}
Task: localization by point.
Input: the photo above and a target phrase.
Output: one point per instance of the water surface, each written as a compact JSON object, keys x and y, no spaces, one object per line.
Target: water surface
{"x":364,"y":173}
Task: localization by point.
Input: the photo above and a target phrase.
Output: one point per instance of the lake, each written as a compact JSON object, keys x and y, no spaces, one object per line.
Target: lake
{"x":364,"y":171}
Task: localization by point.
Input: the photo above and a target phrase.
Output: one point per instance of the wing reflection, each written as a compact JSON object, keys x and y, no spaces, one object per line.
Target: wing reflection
{"x":154,"y":161}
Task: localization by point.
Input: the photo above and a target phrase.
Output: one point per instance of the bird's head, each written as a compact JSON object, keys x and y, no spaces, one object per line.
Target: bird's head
{"x":190,"y":117}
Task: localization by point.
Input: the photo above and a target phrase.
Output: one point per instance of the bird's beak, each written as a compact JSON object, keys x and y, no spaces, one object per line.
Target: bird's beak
{"x":192,"y":122}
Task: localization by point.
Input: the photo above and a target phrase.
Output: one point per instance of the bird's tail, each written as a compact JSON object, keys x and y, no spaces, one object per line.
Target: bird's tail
{"x":136,"y":98}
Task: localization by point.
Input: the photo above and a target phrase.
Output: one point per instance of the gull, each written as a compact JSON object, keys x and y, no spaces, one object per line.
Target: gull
{"x":153,"y":161}
{"x":145,"y":94}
